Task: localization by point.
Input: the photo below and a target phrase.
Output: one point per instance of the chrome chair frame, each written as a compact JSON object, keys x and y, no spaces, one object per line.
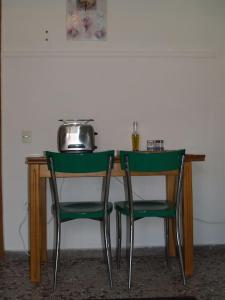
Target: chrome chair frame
{"x":131,"y":220}
{"x":105,"y":221}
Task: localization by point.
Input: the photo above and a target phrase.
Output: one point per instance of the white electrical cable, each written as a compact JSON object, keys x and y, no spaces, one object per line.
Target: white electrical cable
{"x":26,"y":216}
{"x":121,"y":182}
{"x":195,"y":218}
{"x":20,"y":230}
{"x":209,"y":222}
{"x":60,"y":196}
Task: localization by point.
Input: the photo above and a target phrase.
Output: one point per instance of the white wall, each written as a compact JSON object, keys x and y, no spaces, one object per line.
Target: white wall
{"x":162,"y":65}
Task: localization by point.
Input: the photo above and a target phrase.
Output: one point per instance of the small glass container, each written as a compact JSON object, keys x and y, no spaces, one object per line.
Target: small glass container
{"x":150,"y":145}
{"x":157,"y":145}
{"x":161,"y":145}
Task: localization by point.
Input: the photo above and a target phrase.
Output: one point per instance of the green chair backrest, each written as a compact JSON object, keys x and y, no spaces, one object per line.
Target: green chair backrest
{"x":152,"y":161}
{"x":80,"y":162}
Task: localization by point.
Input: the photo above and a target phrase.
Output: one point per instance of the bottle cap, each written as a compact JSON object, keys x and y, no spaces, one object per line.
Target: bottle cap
{"x":135,"y":126}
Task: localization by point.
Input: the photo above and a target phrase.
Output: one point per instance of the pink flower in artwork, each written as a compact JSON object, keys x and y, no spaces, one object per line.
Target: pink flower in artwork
{"x":72,"y":32}
{"x":73,"y":25}
{"x":87,"y":22}
{"x":100,"y":34}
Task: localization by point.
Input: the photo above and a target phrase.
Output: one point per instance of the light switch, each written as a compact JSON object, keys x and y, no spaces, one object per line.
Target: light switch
{"x":26,"y":136}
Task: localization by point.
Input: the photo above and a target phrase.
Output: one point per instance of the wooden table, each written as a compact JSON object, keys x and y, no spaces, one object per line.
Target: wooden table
{"x":37,"y":175}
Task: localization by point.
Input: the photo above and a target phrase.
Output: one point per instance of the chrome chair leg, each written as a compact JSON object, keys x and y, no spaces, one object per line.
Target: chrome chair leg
{"x":57,"y":253}
{"x":110,"y":249}
{"x":119,"y":236}
{"x":131,"y":241}
{"x":178,"y":239}
{"x":106,"y":229}
{"x":166,"y":234}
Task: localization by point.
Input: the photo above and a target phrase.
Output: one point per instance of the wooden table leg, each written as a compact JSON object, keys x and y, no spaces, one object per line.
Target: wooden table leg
{"x":43,"y":218}
{"x":188,"y":220}
{"x":170,"y":190}
{"x":34,"y":220}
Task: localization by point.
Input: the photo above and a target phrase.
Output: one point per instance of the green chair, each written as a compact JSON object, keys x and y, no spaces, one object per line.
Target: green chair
{"x":100,"y":163}
{"x":144,"y":162}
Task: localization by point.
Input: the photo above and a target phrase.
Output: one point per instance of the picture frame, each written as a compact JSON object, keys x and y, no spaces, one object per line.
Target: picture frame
{"x":86,"y":20}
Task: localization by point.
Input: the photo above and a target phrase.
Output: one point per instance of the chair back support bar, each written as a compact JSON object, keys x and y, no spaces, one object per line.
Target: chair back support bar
{"x":152,"y":161}
{"x":80,"y":162}
{"x":132,"y":161}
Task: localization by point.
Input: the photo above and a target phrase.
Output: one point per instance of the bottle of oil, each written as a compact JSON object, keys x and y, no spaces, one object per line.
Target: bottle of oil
{"x":135,"y":137}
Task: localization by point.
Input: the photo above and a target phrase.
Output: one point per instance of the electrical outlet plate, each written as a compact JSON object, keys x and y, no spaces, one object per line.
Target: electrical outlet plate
{"x":26,"y":136}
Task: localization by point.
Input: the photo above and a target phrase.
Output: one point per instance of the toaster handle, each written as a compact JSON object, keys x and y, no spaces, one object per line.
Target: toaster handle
{"x":76,"y":146}
{"x":95,"y":133}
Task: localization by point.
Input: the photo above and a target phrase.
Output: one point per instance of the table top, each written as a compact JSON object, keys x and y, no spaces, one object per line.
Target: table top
{"x":42,"y":159}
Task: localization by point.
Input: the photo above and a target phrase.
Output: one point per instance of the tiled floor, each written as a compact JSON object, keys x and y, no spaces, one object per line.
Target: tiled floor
{"x":83,"y":275}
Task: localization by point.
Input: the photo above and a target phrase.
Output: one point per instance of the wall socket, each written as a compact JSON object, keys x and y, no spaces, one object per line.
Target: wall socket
{"x":26,"y":136}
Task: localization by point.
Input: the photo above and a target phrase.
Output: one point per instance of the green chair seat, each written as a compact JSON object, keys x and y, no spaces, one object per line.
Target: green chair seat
{"x":151,"y":208}
{"x":83,"y":210}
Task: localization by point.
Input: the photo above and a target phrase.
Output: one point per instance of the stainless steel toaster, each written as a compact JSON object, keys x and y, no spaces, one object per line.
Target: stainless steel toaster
{"x":76,"y":136}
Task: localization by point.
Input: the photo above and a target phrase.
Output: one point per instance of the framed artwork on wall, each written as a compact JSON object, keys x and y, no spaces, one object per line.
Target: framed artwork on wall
{"x":86,"y":20}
